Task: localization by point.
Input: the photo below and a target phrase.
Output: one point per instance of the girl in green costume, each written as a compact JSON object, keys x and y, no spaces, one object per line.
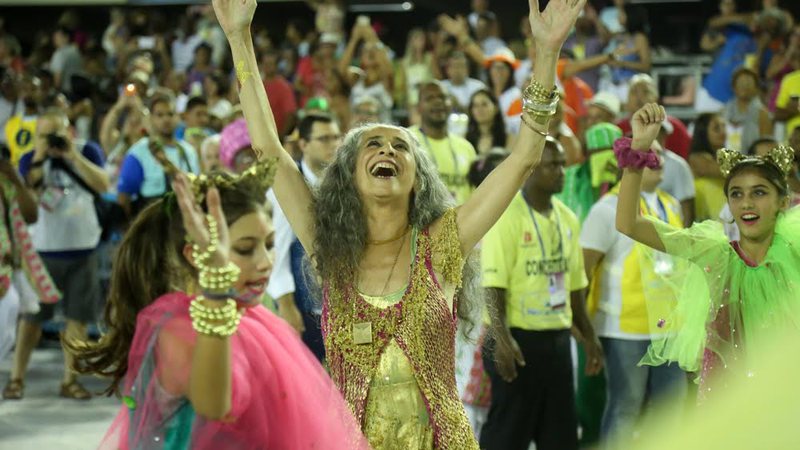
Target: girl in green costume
{"x":731,"y":295}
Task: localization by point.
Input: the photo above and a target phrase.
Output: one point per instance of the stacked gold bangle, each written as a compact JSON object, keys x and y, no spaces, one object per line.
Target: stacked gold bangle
{"x":216,"y":322}
{"x":538,"y":104}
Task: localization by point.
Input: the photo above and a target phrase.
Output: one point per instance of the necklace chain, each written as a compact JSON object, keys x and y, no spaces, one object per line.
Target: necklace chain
{"x":394,"y":264}
{"x":392,"y":239}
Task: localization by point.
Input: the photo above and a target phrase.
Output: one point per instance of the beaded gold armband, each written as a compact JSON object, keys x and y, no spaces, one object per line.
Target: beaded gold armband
{"x":215,"y":322}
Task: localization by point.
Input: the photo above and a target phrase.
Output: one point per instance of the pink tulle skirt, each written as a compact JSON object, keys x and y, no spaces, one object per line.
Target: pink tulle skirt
{"x":281,"y":397}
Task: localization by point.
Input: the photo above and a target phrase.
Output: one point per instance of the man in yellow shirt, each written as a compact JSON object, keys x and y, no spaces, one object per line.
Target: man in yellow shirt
{"x":452,"y":154}
{"x":787,"y":105}
{"x":533,"y":266}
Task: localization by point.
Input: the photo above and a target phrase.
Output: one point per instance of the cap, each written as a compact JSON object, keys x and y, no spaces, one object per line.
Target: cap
{"x":330,"y":38}
{"x":502,"y":54}
{"x":608,"y":101}
{"x":234,"y":137}
{"x":602,"y":136}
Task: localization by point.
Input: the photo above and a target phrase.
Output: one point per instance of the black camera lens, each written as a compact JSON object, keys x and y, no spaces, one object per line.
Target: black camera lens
{"x":56,"y":142}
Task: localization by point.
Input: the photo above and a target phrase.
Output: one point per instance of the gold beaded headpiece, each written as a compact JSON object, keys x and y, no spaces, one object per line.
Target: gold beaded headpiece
{"x":260,"y":176}
{"x":781,"y":157}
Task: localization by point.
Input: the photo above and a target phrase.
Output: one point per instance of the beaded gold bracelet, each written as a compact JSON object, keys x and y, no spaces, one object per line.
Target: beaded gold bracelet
{"x":536,"y":92}
{"x":206,"y":321}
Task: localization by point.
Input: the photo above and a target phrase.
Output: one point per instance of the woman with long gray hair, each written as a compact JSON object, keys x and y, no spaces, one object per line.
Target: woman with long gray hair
{"x":390,"y":248}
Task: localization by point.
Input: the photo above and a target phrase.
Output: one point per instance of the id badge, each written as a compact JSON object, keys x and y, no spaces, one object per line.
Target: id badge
{"x":51,"y":198}
{"x":557,"y":290}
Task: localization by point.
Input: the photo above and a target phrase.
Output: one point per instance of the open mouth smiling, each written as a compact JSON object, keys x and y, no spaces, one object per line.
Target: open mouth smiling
{"x":750,"y":218}
{"x":384,"y":169}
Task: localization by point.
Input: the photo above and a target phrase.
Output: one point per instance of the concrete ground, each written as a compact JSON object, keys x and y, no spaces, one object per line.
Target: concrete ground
{"x":43,"y":420}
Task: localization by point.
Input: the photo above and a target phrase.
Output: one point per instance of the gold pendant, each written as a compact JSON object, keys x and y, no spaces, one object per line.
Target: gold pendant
{"x":362,"y":333}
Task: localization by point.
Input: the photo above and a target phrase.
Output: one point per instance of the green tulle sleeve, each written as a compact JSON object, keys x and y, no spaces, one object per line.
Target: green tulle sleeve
{"x":719,"y":303}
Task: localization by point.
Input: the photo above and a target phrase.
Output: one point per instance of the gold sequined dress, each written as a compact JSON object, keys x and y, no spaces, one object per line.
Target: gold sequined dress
{"x":400,"y":380}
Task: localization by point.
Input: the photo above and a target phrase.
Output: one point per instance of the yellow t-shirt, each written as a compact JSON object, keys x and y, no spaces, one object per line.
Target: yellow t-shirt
{"x":790,"y":86}
{"x":452,"y":156}
{"x":537,"y":269}
{"x":20,"y":132}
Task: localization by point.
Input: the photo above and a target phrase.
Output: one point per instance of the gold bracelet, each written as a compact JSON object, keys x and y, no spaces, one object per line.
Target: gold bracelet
{"x":227,"y":311}
{"x":537,"y":93}
{"x":530,"y":126}
{"x":206,"y":321}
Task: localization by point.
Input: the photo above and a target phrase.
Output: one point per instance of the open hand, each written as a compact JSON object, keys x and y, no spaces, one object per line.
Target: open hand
{"x":645,"y":124}
{"x":234,"y":16}
{"x":194,"y":219}
{"x":551,"y":26}
{"x":454,"y":26}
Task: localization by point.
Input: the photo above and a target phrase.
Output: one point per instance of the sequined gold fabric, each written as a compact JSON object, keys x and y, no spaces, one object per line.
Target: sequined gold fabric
{"x":396,"y":417}
{"x":421,"y":325}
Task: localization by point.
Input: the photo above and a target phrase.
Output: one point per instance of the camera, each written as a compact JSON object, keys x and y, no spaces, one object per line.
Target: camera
{"x":57,"y":142}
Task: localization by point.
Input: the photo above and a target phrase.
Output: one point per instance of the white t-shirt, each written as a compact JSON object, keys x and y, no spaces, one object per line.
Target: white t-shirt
{"x":281,"y":281}
{"x":601,"y":235}
{"x":678,"y":180}
{"x":463,"y":92}
{"x":183,"y":52}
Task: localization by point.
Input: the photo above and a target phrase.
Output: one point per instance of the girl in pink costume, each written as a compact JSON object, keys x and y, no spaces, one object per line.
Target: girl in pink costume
{"x":184,"y":386}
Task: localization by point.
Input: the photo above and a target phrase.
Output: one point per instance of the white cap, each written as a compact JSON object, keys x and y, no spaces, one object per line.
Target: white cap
{"x":330,"y":38}
{"x":607,"y":101}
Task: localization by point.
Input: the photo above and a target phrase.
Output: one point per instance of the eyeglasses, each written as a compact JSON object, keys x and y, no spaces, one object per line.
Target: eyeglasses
{"x":327,"y":138}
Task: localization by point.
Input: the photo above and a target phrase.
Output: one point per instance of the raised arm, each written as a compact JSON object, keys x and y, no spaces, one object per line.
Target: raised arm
{"x":481,"y":211}
{"x":294,"y":196}
{"x":646,"y":124}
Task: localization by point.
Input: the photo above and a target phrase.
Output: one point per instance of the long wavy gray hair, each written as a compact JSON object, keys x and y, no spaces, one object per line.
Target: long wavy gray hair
{"x":341,"y":227}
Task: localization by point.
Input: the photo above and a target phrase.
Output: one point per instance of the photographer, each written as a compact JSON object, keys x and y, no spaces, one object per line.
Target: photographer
{"x":66,"y":235}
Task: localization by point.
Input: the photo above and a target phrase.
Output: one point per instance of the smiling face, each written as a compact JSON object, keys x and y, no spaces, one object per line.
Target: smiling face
{"x":252,"y":241}
{"x":385,"y":165}
{"x":755,"y":203}
{"x":434,"y":105}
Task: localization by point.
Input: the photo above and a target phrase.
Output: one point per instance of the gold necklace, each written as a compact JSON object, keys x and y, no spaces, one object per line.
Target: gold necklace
{"x":390,"y":240}
{"x":394,"y":264}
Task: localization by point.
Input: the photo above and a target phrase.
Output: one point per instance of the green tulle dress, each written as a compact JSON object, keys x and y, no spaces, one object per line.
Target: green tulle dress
{"x":724,"y":307}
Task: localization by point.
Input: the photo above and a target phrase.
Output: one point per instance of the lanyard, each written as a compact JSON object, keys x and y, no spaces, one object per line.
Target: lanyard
{"x":449,"y":144}
{"x":539,"y":234}
{"x":662,"y":211}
